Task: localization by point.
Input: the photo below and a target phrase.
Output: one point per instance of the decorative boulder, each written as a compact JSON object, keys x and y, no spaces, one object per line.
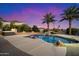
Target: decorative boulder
{"x":59,"y":43}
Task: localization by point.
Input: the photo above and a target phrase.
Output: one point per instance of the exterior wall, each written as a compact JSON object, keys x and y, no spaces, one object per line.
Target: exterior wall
{"x":14,"y":30}
{"x":19,"y":23}
{"x":41,"y":29}
{"x":4,"y":23}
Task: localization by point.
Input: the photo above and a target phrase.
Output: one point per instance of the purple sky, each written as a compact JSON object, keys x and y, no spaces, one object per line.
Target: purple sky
{"x":32,"y":14}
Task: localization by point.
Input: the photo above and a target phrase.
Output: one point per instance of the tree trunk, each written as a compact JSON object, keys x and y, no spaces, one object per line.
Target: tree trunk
{"x":70,"y":31}
{"x":53,"y":25}
{"x":48,"y":29}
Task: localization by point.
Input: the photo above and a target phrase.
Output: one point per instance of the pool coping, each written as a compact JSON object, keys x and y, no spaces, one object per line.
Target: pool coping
{"x":60,"y":36}
{"x":68,"y":37}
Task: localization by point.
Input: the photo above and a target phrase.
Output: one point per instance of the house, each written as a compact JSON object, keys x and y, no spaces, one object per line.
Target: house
{"x":41,"y":29}
{"x":16,"y":23}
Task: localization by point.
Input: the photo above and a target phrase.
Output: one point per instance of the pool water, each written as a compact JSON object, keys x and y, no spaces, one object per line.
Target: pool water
{"x":53,"y":39}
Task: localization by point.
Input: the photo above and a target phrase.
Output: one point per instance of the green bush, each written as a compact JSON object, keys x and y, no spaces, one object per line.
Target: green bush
{"x":74,"y":31}
{"x":45,"y":30}
{"x":6,"y":28}
{"x":23,"y":27}
{"x":26,"y":28}
{"x":1,"y":24}
{"x":12,"y":25}
{"x":18,"y":27}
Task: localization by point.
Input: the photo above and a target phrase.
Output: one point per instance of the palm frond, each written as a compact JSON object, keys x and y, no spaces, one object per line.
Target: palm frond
{"x":43,"y":22}
{"x":48,"y":18}
{"x":70,"y":13}
{"x":61,"y":20}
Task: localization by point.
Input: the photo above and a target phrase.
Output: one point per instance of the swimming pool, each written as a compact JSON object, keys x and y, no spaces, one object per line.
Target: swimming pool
{"x":53,"y":39}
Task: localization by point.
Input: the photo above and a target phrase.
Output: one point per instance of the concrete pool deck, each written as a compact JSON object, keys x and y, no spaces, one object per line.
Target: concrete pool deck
{"x":68,"y":36}
{"x":72,"y":49}
{"x":7,"y":49}
{"x":35,"y":47}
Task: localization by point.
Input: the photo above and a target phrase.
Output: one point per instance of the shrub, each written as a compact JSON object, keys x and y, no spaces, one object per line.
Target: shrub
{"x":12,"y":25}
{"x":74,"y":31}
{"x":1,"y":24}
{"x":18,"y":27}
{"x":45,"y":30}
{"x":6,"y":27}
{"x":23,"y":27}
{"x":26,"y":28}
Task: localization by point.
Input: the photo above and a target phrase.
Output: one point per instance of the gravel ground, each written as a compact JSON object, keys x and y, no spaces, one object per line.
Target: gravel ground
{"x":7,"y":49}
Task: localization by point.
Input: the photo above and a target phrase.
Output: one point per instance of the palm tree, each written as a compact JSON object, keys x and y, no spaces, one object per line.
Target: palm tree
{"x":48,"y":18}
{"x":70,"y":14}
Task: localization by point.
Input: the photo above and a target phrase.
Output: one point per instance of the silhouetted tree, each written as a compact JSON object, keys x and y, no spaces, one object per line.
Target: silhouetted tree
{"x":48,"y":18}
{"x":70,"y":14}
{"x":35,"y":28}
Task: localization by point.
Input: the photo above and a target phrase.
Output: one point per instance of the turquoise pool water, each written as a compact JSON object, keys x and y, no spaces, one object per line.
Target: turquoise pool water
{"x":53,"y":39}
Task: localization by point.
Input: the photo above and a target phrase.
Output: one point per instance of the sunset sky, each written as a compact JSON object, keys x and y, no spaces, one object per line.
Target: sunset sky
{"x":32,"y":13}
